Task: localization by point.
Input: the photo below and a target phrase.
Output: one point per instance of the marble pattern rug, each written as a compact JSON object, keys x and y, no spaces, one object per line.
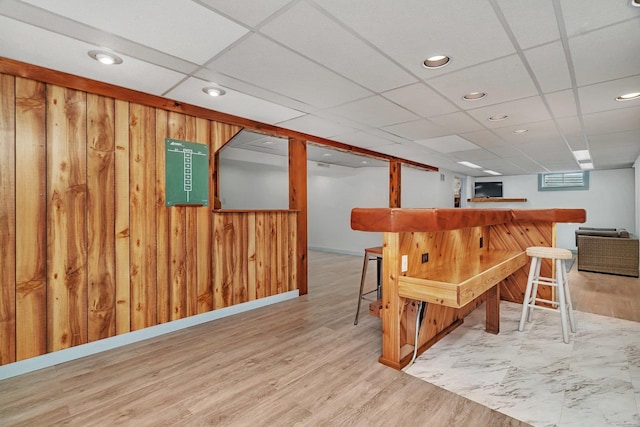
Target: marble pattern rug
{"x":536,"y":378}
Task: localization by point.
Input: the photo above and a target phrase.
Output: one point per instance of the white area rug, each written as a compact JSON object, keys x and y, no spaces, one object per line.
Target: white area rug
{"x":536,"y":378}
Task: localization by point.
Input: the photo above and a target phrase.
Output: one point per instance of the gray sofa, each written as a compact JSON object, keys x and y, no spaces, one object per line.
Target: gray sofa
{"x":607,"y":250}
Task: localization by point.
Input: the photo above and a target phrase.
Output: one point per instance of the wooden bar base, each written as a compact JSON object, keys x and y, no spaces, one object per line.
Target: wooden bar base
{"x":453,"y":259}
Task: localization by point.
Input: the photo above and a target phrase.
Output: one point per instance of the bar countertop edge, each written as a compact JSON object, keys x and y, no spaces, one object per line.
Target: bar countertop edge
{"x":438,"y":219}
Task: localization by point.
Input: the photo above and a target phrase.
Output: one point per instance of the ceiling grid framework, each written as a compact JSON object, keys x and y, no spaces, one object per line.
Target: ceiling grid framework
{"x":352,"y":72}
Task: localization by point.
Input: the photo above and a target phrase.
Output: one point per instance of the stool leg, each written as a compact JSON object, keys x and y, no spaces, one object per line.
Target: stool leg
{"x":527,"y":294}
{"x":534,"y":291}
{"x":567,"y":297}
{"x":364,"y":274}
{"x":561,"y":301}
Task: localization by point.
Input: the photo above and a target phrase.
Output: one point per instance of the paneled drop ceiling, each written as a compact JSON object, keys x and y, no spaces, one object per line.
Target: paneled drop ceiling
{"x":351,"y":71}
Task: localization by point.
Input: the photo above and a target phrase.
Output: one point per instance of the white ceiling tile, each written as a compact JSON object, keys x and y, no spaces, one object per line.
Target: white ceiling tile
{"x":183,"y":28}
{"x":483,"y":138}
{"x":562,"y":103}
{"x":314,"y":125}
{"x":604,"y":54}
{"x":456,"y":122}
{"x":233,"y":102}
{"x":249,"y":12}
{"x":362,"y":139}
{"x":271,"y":66}
{"x":71,"y":57}
{"x":549,"y":65}
{"x":310,"y":32}
{"x":504,"y":79}
{"x":474,"y":156}
{"x":533,"y":23}
{"x":539,"y":131}
{"x":505,"y":150}
{"x":602,"y":96}
{"x":624,"y":120}
{"x":570,"y":126}
{"x":520,"y":111}
{"x":419,"y":129}
{"x":448,"y":144}
{"x":420,"y":99}
{"x":409,"y":31}
{"x":586,"y":15}
{"x":374,"y":111}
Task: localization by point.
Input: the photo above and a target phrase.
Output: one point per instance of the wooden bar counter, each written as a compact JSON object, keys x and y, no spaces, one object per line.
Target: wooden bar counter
{"x":455,"y":259}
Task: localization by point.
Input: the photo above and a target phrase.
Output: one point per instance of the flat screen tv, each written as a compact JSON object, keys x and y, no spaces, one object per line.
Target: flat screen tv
{"x":487,"y":190}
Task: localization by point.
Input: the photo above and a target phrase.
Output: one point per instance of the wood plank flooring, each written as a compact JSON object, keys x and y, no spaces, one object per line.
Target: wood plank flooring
{"x":300,"y":362}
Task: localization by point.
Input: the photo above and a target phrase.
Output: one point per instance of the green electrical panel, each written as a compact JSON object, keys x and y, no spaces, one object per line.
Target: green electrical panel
{"x":186,"y":173}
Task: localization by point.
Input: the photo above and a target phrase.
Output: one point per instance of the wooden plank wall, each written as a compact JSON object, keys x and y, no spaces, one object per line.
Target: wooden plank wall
{"x":88,"y":249}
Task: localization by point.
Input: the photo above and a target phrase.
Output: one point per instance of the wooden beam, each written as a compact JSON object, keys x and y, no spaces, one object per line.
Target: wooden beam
{"x":298,"y":202}
{"x":395,"y":183}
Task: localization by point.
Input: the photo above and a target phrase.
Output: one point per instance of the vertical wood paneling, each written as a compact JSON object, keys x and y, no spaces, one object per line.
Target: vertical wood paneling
{"x":163,"y":284}
{"x":7,"y":220}
{"x":191,"y":235}
{"x":66,"y":237}
{"x":31,"y":214}
{"x":101,"y":217}
{"x":251,"y":256}
{"x":177,"y":230}
{"x":218,"y":260}
{"x":263,"y":274}
{"x":273,"y":252}
{"x":204,"y":282}
{"x":292,"y":257}
{"x":240,"y":259}
{"x":142,"y":175}
{"x":122,"y":242}
{"x":87,"y":248}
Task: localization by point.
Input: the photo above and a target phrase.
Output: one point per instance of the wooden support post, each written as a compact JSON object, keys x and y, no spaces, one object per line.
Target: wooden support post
{"x":395,"y":181}
{"x":298,"y":201}
{"x":493,"y":310}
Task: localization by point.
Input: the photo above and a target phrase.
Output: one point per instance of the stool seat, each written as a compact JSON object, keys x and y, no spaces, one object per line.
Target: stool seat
{"x":549,"y":253}
{"x":562,"y":301}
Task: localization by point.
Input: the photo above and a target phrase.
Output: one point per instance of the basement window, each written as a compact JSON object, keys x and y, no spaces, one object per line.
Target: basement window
{"x":565,"y":181}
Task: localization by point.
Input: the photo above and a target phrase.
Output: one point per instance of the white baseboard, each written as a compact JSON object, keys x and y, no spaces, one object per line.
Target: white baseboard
{"x":66,"y":355}
{"x":335,"y":251}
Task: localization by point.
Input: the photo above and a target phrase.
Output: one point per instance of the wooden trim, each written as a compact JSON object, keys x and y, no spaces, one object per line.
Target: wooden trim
{"x":496,"y":200}
{"x":22,"y":69}
{"x":298,"y":201}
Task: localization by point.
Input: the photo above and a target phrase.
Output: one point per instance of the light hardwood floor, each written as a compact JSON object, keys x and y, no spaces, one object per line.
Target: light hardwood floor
{"x":301,"y":362}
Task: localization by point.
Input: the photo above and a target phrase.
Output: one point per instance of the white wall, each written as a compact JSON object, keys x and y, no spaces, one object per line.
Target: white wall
{"x":262,"y":183}
{"x":610,"y":200}
{"x":422,"y":189}
{"x":636,"y":168}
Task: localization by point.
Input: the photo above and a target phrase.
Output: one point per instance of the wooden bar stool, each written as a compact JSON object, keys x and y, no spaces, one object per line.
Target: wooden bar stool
{"x":561,"y":283}
{"x":370,"y":254}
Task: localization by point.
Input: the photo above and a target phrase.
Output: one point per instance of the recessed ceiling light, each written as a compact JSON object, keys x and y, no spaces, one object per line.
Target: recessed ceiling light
{"x":628,"y":96}
{"x":364,"y":162}
{"x":585,"y":166}
{"x":470,"y":165}
{"x":436,"y":61}
{"x":498,"y":117}
{"x":267,"y":142}
{"x":518,"y":131}
{"x":474,"y":96}
{"x":490,"y":172}
{"x":327,"y":154}
{"x":582,"y":155}
{"x":213,"y":91}
{"x":106,"y":58}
